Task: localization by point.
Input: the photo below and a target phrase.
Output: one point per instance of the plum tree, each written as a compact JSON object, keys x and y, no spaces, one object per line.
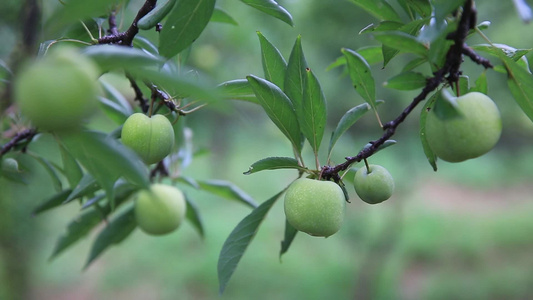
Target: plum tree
{"x":152,"y":138}
{"x":373,"y":184}
{"x":58,"y":91}
{"x":160,"y":210}
{"x":469,"y":132}
{"x":315,"y":207}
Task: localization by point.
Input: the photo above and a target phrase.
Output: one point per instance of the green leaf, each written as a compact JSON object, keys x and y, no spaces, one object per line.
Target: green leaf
{"x":52,"y":202}
{"x":290,"y":233}
{"x":412,"y":28}
{"x":414,"y":63}
{"x":114,"y":57}
{"x":238,"y":240}
{"x":481,"y":84}
{"x":226,"y":190}
{"x":274,"y":64}
{"x":113,"y":110}
{"x":313,"y":121}
{"x":371,"y":54}
{"x":114,"y":233}
{"x":56,"y":182}
{"x":122,"y":191}
{"x":295,"y":78}
{"x":238,"y":89}
{"x":274,"y":163}
{"x":184,"y":24}
{"x":520,"y":83}
{"x":443,"y":8}
{"x":74,"y":10}
{"x":145,"y":44}
{"x":379,"y":9}
{"x":221,"y":16}
{"x":279,"y":109}
{"x":361,"y":76}
{"x":347,"y":120}
{"x":464,"y":86}
{"x":422,"y":7}
{"x":432,"y":158}
{"x":156,"y":15}
{"x":272,"y":8}
{"x":115,"y":96}
{"x":406,"y":81}
{"x":402,"y":41}
{"x":86,"y":186}
{"x":71,"y":168}
{"x":193,"y":216}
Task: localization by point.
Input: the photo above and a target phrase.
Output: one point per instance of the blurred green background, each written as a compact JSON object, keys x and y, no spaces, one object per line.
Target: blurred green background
{"x":464,"y":232}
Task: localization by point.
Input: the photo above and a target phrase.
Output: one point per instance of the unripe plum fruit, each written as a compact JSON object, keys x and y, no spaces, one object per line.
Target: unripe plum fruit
{"x":57,"y":92}
{"x":373,"y":185}
{"x":474,"y":132}
{"x":160,"y":210}
{"x":315,"y":207}
{"x":151,"y":138}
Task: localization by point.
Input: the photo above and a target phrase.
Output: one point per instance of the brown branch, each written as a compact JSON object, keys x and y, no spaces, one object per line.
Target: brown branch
{"x":27,"y":134}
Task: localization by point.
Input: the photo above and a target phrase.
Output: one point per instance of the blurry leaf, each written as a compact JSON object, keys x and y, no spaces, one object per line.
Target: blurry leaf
{"x":122,"y":190}
{"x":361,"y":76}
{"x":520,"y":83}
{"x":190,"y":181}
{"x":113,"y":111}
{"x":184,"y":24}
{"x":114,"y":233}
{"x":272,"y":8}
{"x":193,"y":216}
{"x":347,"y":120}
{"x":71,"y":168}
{"x":414,"y":63}
{"x":145,"y":44}
{"x":279,"y":109}
{"x":274,"y":64}
{"x":464,"y":86}
{"x":432,"y":158}
{"x":313,"y":122}
{"x":114,"y":57}
{"x":114,"y":95}
{"x":238,"y":89}
{"x":274,"y":163}
{"x":156,"y":15}
{"x":86,"y":186}
{"x":402,"y":41}
{"x":340,"y":61}
{"x":295,"y":78}
{"x":481,"y":84}
{"x":221,"y":16}
{"x":238,"y":240}
{"x":52,"y":202}
{"x":422,"y":7}
{"x":382,"y":26}
{"x":290,"y":233}
{"x":50,"y":170}
{"x":445,"y":7}
{"x":74,"y":10}
{"x":226,"y":190}
{"x":379,"y":9}
{"x":406,"y":81}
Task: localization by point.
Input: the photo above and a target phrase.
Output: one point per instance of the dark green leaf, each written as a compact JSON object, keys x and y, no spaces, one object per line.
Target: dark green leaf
{"x":274,"y":163}
{"x":113,"y":111}
{"x":347,"y":120}
{"x":272,"y":8}
{"x":520,"y":83}
{"x":122,"y":190}
{"x":226,"y":190}
{"x":52,"y":202}
{"x":114,"y":233}
{"x":379,"y":9}
{"x":86,"y":186}
{"x":115,"y":96}
{"x":361,"y":76}
{"x":50,"y":170}
{"x":290,"y":233}
{"x":295,"y":78}
{"x":313,"y":122}
{"x":274,"y":64}
{"x":402,"y":41}
{"x":193,"y":216}
{"x":406,"y":81}
{"x":432,"y":158}
{"x":279,"y":109}
{"x":114,"y":57}
{"x":238,"y":89}
{"x":422,"y":7}
{"x":221,"y":16}
{"x":184,"y":24}
{"x":238,"y":240}
{"x":144,"y":43}
{"x":156,"y":15}
{"x":445,"y":7}
{"x":71,"y":168}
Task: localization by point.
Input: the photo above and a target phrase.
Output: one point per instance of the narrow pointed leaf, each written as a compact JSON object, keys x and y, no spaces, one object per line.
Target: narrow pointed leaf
{"x":422,"y":7}
{"x":193,"y":216}
{"x":295,"y":77}
{"x":86,"y":186}
{"x":361,"y":76}
{"x":347,"y":120}
{"x":238,"y":89}
{"x":52,"y":202}
{"x":272,"y":8}
{"x":274,"y":65}
{"x":226,"y":190}
{"x":238,"y":240}
{"x":54,"y":177}
{"x":313,"y":121}
{"x":406,"y":81}
{"x":279,"y":109}
{"x":379,"y":9}
{"x":221,"y":16}
{"x":114,"y":233}
{"x":71,"y":168}
{"x":114,"y":57}
{"x":402,"y":41}
{"x":184,"y":24}
{"x":290,"y":233}
{"x":520,"y":83}
{"x":274,"y":163}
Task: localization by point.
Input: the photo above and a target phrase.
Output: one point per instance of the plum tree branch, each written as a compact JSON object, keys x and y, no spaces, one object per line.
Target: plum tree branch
{"x":26,"y":134}
{"x":449,"y":72}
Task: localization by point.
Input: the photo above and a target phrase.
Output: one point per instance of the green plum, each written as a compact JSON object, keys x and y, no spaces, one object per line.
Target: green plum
{"x":151,"y":138}
{"x":160,"y":210}
{"x":58,"y":91}
{"x":373,"y":185}
{"x":315,"y":207}
{"x":473,"y":132}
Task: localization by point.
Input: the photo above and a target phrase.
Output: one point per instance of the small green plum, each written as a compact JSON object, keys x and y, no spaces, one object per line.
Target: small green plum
{"x":373,"y":185}
{"x":315,"y":207}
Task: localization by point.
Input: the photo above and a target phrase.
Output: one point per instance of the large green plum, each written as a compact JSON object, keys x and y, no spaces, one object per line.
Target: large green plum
{"x":315,"y":207}
{"x":160,"y":210}
{"x":151,"y":138}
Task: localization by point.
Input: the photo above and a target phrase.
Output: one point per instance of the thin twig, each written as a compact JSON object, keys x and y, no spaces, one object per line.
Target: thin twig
{"x":27,"y":134}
